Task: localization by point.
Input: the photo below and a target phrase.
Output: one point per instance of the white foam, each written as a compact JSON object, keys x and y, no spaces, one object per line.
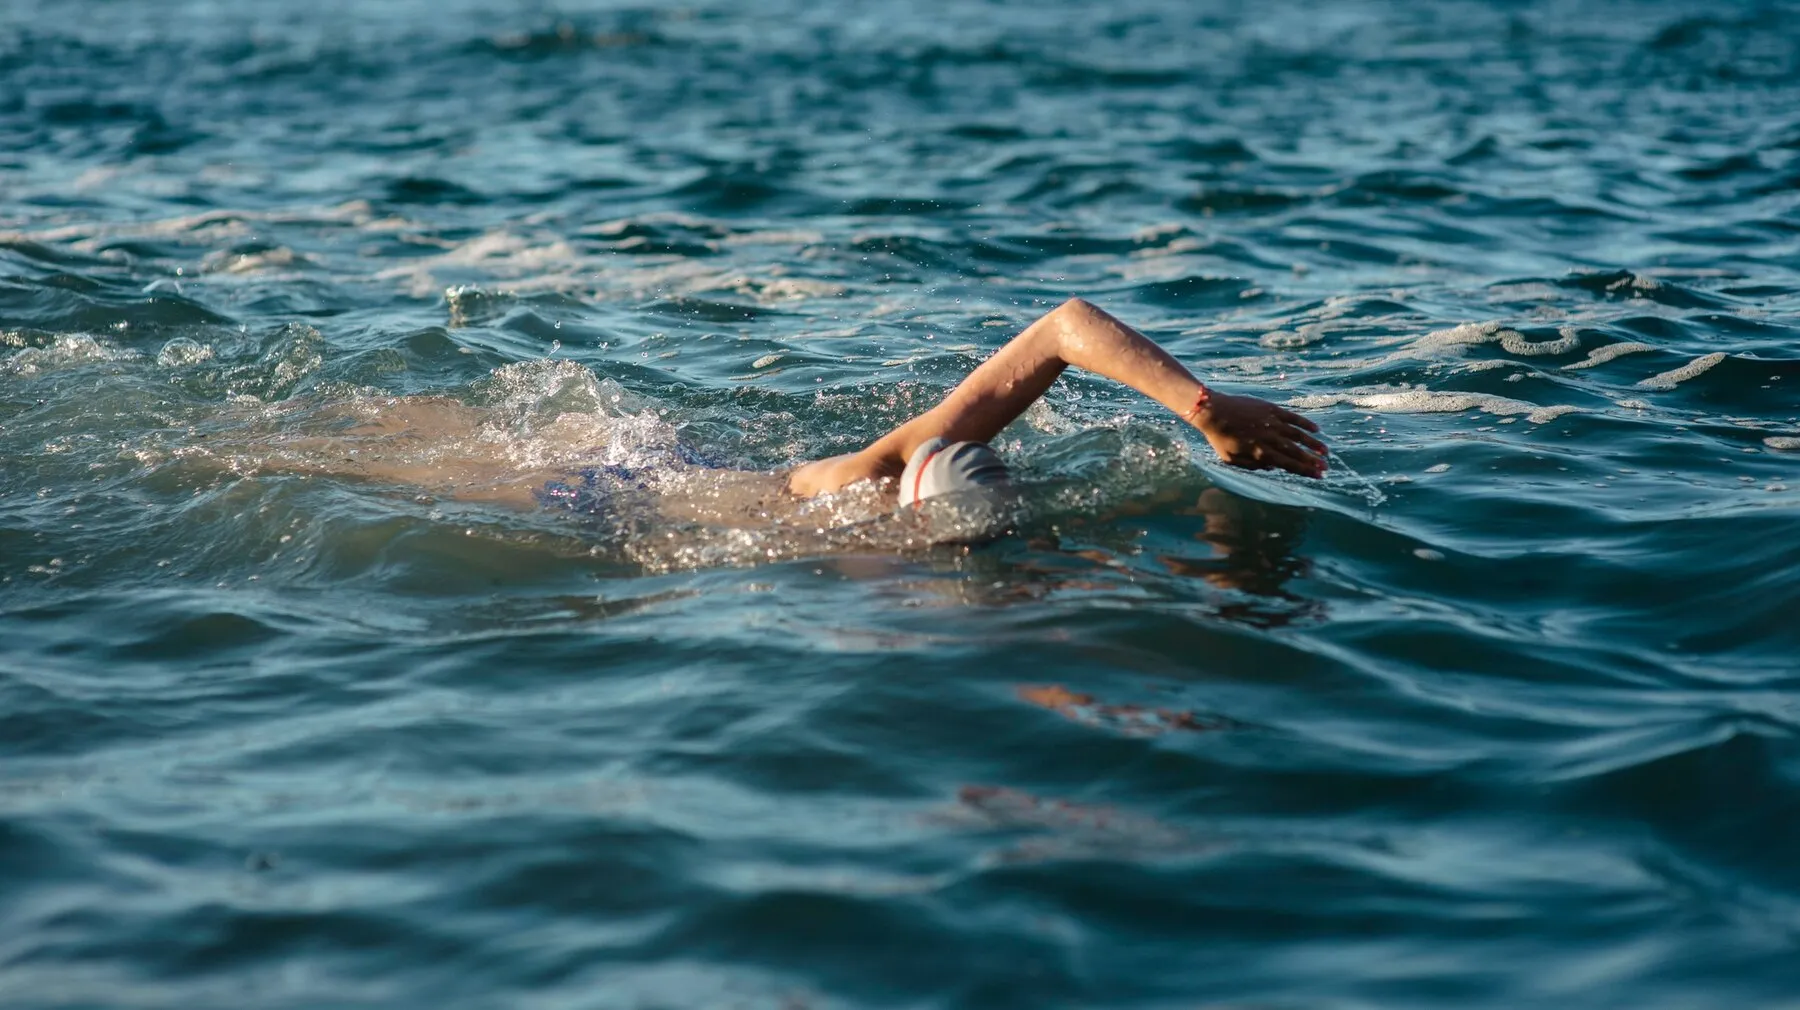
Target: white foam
{"x":1465,"y":335}
{"x":1252,"y":365}
{"x":1516,"y":343}
{"x":1287,"y":339}
{"x":774,"y":236}
{"x":278,"y":260}
{"x":1783,"y":443}
{"x":1423,"y":401}
{"x":1457,"y":339}
{"x":1675,"y":376}
{"x":618,"y":226}
{"x":1486,"y":366}
{"x":1540,"y":415}
{"x":547,"y":263}
{"x":212,"y":225}
{"x":1601,"y":355}
{"x":1528,"y":291}
{"x":781,"y":289}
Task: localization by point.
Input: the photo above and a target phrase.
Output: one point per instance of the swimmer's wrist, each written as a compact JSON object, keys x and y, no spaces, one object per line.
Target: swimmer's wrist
{"x":1199,"y":411}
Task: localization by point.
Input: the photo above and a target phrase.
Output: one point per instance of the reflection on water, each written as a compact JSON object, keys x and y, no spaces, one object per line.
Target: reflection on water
{"x":1132,"y":720}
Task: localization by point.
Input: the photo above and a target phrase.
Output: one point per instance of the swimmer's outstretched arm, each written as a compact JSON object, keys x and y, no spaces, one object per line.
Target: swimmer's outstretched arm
{"x":1243,"y":430}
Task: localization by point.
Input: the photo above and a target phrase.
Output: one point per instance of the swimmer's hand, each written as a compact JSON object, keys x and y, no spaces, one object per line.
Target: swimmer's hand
{"x":1258,"y":435}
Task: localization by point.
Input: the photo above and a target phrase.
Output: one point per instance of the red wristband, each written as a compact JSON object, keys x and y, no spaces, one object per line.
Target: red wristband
{"x":1200,"y":402}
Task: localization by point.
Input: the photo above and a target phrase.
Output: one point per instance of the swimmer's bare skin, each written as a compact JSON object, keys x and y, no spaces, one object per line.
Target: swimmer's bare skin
{"x":1243,"y":430}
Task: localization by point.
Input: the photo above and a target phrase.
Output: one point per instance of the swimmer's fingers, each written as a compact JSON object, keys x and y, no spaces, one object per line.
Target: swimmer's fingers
{"x":1297,"y":420}
{"x":1295,"y":433}
{"x":1284,"y":450}
{"x":1259,"y":435}
{"x":1295,"y":461}
{"x":1272,"y":455}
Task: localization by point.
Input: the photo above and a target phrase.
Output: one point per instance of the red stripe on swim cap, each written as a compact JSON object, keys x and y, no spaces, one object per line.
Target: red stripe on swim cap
{"x":919,"y":478}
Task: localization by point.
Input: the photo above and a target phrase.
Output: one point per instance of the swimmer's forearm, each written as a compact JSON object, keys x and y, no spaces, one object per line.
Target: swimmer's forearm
{"x":1243,"y":430}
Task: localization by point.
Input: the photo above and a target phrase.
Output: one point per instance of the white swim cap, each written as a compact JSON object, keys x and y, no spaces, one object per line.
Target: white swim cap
{"x":942,"y":467}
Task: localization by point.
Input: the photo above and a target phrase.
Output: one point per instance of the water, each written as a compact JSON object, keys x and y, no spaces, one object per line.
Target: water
{"x":1502,"y":714}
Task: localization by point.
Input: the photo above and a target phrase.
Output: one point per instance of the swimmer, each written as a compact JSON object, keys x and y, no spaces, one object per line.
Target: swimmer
{"x":944,"y":449}
{"x":440,"y":445}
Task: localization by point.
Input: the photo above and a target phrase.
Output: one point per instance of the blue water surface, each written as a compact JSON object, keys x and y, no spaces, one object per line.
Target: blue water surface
{"x":306,"y":701}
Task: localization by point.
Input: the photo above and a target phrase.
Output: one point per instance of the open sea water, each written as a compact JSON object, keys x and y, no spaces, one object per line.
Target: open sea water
{"x":1503,"y":713}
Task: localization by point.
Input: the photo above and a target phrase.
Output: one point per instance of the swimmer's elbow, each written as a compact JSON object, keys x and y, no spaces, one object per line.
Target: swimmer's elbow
{"x":1072,"y":315}
{"x":1067,"y":326}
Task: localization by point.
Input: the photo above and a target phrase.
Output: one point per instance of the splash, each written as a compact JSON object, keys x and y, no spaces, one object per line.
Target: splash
{"x":183,"y":352}
{"x":548,"y":413}
{"x":68,"y":350}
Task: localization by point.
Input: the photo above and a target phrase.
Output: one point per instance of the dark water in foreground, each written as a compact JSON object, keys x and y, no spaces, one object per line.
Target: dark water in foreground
{"x":1503,"y":714}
